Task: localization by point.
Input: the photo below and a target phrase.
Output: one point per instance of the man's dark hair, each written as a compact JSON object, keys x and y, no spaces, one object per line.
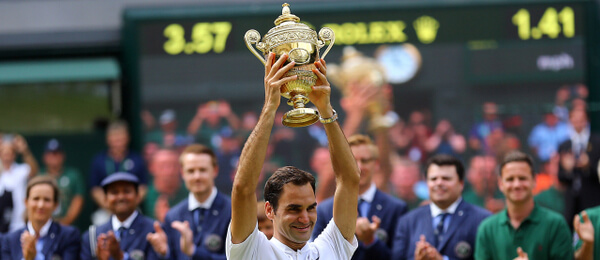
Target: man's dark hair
{"x":446,"y":160}
{"x":283,"y":176}
{"x":516,"y":156}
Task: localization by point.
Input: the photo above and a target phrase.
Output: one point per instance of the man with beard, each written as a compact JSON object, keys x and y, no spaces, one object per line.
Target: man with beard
{"x":524,"y":229}
{"x":446,"y":228}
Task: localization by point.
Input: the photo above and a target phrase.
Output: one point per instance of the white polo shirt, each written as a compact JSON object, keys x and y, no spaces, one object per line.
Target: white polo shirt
{"x":329,"y":245}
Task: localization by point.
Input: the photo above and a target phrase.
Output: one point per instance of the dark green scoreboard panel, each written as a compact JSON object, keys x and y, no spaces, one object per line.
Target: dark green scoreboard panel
{"x":516,"y":53}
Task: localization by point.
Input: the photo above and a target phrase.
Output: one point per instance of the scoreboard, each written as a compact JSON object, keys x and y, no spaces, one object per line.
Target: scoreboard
{"x":514,"y":53}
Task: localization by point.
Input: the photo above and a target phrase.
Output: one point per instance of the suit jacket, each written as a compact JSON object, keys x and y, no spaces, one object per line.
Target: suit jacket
{"x":384,"y":206}
{"x":210,"y":237}
{"x":61,"y":241}
{"x":588,"y":192}
{"x":459,"y":238}
{"x":133,"y":242}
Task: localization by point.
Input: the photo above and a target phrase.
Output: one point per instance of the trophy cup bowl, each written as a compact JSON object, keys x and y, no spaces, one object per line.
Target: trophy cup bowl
{"x":302,"y":45}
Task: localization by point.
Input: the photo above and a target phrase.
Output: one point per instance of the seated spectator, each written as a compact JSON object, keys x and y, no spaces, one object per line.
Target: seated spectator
{"x":166,"y":189}
{"x":128,"y":234}
{"x":69,"y":182}
{"x":554,"y":196}
{"x":42,"y":238}
{"x":445,"y":140}
{"x":523,"y":229}
{"x":168,"y":135}
{"x":481,"y":130}
{"x":209,"y":119}
{"x":14,"y":176}
{"x":265,"y":225}
{"x":482,"y":189}
{"x":405,"y":176}
{"x":117,"y":158}
{"x":545,"y":137}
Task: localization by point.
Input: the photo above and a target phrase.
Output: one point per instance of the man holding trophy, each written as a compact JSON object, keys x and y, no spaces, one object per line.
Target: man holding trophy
{"x":290,"y":192}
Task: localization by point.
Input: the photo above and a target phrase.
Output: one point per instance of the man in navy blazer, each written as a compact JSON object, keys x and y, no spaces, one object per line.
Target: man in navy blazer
{"x":447,"y":227}
{"x":378,"y":211}
{"x":128,"y":234}
{"x":197,"y":226}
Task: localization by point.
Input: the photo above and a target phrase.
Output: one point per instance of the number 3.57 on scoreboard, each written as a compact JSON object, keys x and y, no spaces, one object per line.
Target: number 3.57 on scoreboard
{"x":551,"y":24}
{"x":205,"y":37}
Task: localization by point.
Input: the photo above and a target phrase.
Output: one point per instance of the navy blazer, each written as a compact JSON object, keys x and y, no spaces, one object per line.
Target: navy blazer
{"x":133,"y":243}
{"x":384,"y":206}
{"x":210,"y":237}
{"x":459,"y":239}
{"x":61,"y":241}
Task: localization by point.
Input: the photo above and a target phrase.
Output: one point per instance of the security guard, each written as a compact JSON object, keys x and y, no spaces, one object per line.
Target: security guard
{"x":447,"y":227}
{"x":378,"y":211}
{"x":42,"y":238}
{"x":523,"y":229}
{"x":197,"y":226}
{"x":128,"y":233}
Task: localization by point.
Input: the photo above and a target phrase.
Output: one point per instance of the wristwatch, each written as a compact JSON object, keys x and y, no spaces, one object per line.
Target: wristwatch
{"x":332,"y":119}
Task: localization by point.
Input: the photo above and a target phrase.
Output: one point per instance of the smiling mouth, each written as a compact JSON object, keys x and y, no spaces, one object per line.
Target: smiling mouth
{"x":302,"y":228}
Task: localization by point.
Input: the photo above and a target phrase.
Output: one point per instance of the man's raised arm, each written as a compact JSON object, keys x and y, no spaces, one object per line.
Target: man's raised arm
{"x":243,"y":197}
{"x":346,"y":171}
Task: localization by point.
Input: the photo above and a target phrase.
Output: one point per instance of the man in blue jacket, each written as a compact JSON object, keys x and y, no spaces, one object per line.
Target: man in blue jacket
{"x":197,"y":226}
{"x":447,"y":227}
{"x":378,"y":211}
{"x":128,"y":234}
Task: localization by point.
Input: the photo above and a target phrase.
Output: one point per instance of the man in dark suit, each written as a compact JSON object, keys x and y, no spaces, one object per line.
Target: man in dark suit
{"x":578,"y":169}
{"x":128,"y":234}
{"x":378,"y":211}
{"x":197,"y":226}
{"x":446,"y":228}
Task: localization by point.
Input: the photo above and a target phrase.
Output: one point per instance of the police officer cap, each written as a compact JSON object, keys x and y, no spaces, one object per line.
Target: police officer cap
{"x":119,"y":176}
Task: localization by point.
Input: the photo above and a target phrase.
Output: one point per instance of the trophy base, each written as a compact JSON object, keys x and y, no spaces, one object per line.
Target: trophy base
{"x":300,"y":117}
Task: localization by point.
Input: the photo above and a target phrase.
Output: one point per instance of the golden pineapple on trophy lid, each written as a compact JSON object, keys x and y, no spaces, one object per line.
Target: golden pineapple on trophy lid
{"x":302,"y":45}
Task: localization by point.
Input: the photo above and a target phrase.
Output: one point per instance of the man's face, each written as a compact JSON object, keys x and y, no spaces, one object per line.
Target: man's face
{"x":367,"y":163}
{"x":266,"y":226}
{"x":516,"y":182}
{"x":578,"y":120}
{"x":122,"y":198}
{"x":117,"y":139}
{"x":404,"y":177}
{"x":165,"y":169}
{"x":7,"y":153}
{"x":295,"y":216}
{"x":444,"y":185}
{"x":54,"y":159}
{"x":198,"y":173}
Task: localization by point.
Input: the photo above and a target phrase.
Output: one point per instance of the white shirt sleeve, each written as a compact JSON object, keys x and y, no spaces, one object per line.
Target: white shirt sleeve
{"x":332,"y":244}
{"x":250,"y":248}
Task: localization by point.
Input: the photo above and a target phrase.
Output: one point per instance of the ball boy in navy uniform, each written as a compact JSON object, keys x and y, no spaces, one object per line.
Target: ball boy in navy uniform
{"x":128,"y":234}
